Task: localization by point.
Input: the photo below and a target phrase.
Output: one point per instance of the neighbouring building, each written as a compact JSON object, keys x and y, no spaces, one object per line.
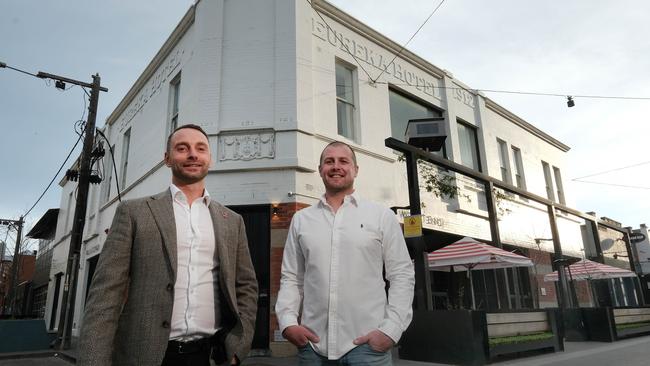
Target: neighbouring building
{"x":44,"y":230}
{"x":272,"y":87}
{"x":26,"y":262}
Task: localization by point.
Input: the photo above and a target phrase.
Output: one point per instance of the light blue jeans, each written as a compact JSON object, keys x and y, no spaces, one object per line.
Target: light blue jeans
{"x":361,"y":355}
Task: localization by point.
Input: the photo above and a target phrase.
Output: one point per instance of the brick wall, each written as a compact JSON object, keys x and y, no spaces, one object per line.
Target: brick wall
{"x":583,"y":293}
{"x":546,"y":291}
{"x":281,"y":216}
{"x":283,"y":213}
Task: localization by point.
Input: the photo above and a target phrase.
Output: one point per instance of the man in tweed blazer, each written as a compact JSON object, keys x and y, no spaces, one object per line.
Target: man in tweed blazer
{"x":137,"y":294}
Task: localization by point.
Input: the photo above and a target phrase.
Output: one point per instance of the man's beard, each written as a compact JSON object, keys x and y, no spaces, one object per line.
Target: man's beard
{"x":187,"y":178}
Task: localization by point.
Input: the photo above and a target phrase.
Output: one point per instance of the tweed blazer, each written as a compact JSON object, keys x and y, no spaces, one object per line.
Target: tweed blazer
{"x":129,"y":306}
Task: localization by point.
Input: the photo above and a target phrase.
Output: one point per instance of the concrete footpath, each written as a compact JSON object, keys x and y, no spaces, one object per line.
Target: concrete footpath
{"x":629,"y":352}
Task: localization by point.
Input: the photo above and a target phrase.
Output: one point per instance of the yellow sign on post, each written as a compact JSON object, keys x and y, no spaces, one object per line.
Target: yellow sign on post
{"x":412,"y":226}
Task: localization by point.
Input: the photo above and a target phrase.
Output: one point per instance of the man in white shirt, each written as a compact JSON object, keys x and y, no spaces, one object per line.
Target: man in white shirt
{"x":174,"y":283}
{"x":332,"y":302}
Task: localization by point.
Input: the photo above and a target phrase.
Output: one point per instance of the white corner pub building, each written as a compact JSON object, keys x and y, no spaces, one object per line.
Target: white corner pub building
{"x":272,"y":87}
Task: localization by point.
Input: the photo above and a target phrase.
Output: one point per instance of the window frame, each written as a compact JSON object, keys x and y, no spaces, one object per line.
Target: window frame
{"x":520,"y":176}
{"x":108,"y":177}
{"x":69,"y":216}
{"x":126,"y":145}
{"x":477,"y":150}
{"x":550,"y":192}
{"x":504,"y":161}
{"x":174,"y":104}
{"x":559,"y":188}
{"x":437,"y":112}
{"x":352,"y":127}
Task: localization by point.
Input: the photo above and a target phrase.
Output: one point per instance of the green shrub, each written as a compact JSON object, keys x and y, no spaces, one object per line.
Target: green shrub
{"x":632,"y":325}
{"x":496,"y":341}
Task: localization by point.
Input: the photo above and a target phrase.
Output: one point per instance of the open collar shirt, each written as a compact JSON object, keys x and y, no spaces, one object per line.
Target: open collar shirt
{"x":332,"y":269}
{"x":193,"y":314}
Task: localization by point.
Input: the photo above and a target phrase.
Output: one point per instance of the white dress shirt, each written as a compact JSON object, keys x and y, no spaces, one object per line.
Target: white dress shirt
{"x":193,"y":313}
{"x":332,"y":268}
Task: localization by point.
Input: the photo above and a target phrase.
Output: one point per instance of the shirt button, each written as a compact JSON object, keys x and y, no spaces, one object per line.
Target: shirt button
{"x":165,"y":324}
{"x":169,"y":287}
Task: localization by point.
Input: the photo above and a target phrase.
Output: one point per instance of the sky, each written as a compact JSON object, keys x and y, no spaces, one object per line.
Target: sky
{"x":577,"y":48}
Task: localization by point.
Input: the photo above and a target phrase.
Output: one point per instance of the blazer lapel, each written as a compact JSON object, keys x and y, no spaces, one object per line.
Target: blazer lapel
{"x":163,"y":213}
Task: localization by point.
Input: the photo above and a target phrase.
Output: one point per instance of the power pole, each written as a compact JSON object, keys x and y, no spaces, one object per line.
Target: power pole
{"x":14,"y":268}
{"x":13,"y":288}
{"x":76,"y":237}
{"x":66,"y":317}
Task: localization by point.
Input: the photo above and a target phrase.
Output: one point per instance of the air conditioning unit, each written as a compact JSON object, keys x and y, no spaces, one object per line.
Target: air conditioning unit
{"x":426,"y":133}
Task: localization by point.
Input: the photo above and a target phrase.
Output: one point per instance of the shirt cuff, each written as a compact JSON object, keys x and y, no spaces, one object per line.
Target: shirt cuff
{"x":391,"y":329}
{"x":287,"y":321}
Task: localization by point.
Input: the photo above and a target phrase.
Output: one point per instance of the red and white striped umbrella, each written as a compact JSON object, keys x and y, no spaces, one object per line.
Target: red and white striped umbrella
{"x":471,"y":254}
{"x":589,"y":270}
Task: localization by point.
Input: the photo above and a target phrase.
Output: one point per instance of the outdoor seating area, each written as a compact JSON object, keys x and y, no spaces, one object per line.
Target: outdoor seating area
{"x":478,"y":335}
{"x":471,"y":336}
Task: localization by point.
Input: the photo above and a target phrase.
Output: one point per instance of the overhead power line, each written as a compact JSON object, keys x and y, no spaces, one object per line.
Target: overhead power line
{"x":610,"y":184}
{"x":612,"y":170}
{"x":110,"y":149}
{"x":371,"y":79}
{"x":562,"y":95}
{"x":4,"y":65}
{"x":345,"y":45}
{"x":79,"y":124}
{"x":533,"y":93}
{"x":410,"y":39}
{"x":55,"y":175}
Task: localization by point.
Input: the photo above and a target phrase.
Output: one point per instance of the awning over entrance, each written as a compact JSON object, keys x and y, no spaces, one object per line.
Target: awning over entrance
{"x":589,"y":270}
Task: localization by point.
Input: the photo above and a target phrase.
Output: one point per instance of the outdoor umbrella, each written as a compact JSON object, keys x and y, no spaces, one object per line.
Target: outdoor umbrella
{"x":468,"y":254}
{"x":590,"y":270}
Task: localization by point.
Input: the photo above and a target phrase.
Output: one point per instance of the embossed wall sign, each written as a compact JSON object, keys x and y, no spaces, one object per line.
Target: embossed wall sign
{"x":380,"y":59}
{"x":464,"y":97}
{"x":153,"y":85}
{"x":247,"y":145}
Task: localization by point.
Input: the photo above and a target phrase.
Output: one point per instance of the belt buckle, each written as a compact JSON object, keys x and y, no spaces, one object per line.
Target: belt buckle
{"x":181,"y":346}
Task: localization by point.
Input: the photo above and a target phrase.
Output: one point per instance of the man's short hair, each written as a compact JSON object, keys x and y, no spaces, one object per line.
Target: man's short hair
{"x":192,"y":126}
{"x":338,"y":143}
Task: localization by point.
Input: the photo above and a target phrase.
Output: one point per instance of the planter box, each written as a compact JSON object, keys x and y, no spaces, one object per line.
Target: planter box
{"x":522,"y":324}
{"x":461,"y":337}
{"x":446,"y":336}
{"x":600,"y":324}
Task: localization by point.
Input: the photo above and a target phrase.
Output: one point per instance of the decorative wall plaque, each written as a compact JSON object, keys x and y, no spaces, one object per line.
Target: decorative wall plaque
{"x":246,"y":145}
